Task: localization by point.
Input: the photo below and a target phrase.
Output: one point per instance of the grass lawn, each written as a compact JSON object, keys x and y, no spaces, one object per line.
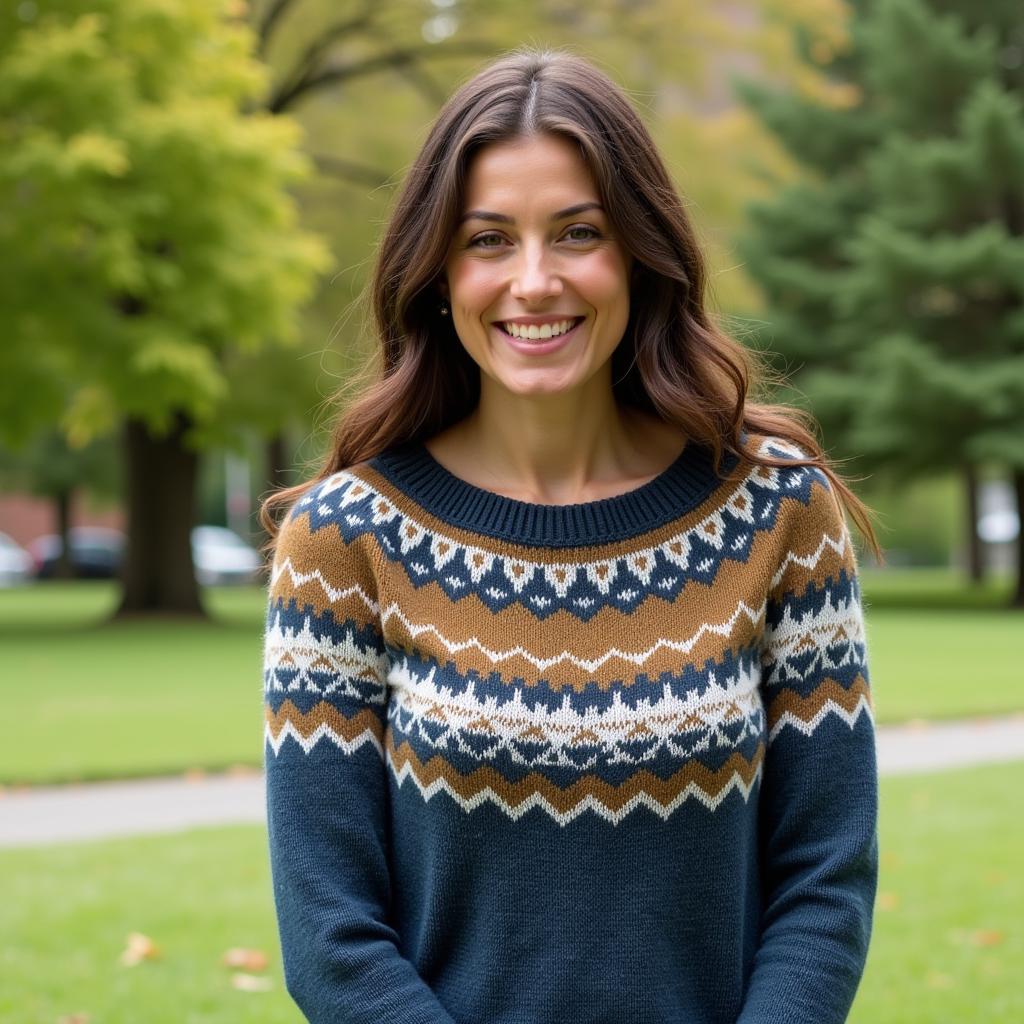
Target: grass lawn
{"x":98,"y":700}
{"x":93,"y":699}
{"x":946,"y":937}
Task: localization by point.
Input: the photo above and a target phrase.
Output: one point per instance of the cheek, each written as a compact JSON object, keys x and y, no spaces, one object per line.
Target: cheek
{"x":603,"y":279}
{"x":472,"y":283}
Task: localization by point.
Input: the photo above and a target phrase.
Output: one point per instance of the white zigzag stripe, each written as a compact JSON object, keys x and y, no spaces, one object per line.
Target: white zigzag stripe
{"x":724,"y":629}
{"x":823,"y":626}
{"x":810,"y":561}
{"x":588,"y":803}
{"x":828,"y":708}
{"x":322,"y":731}
{"x":314,"y":576}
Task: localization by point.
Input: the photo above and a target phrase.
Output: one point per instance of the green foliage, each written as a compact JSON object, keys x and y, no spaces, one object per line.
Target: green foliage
{"x":895,"y":267}
{"x":154,"y":232}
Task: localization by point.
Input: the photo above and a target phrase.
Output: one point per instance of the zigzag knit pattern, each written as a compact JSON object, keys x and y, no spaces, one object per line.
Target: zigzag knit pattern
{"x":527,"y":678}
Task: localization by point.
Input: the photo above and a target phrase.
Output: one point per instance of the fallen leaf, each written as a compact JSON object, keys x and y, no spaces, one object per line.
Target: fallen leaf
{"x":888,"y":900}
{"x":74,"y":1018}
{"x":987,"y":937}
{"x":250,"y":982}
{"x":937,"y":980}
{"x":994,"y":877}
{"x":919,"y":724}
{"x":246,"y":959}
{"x":890,"y":859}
{"x":193,"y":775}
{"x":140,"y":947}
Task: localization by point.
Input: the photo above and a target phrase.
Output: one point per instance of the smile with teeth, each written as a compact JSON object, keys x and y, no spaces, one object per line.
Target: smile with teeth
{"x":534,"y":332}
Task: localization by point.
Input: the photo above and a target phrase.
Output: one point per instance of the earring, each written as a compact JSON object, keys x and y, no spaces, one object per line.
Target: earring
{"x":443,"y":309}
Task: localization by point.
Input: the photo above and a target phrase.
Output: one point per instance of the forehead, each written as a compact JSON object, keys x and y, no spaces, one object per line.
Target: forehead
{"x":536,"y":171}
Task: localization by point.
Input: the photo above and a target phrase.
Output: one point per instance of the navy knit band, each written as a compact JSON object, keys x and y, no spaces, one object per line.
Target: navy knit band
{"x":673,"y":492}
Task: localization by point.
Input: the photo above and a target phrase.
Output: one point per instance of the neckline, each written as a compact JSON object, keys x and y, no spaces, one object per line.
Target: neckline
{"x":676,"y":490}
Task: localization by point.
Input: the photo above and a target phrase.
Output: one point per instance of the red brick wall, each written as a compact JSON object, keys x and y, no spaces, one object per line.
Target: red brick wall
{"x":24,"y":517}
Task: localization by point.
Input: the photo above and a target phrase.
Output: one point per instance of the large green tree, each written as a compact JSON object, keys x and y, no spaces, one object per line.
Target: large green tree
{"x":154,"y":243}
{"x":895,"y":269}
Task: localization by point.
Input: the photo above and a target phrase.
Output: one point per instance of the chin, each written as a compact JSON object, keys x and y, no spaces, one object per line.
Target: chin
{"x":539,"y":382}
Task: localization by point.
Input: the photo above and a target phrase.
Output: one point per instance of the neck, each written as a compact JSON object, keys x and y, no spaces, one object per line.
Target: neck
{"x":564,"y":448}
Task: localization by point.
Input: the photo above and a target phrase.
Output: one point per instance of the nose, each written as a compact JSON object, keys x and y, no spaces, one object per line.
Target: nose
{"x":534,"y":278}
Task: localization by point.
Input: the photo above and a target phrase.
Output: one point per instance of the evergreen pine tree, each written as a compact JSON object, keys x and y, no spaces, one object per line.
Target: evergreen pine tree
{"x":896,"y":274}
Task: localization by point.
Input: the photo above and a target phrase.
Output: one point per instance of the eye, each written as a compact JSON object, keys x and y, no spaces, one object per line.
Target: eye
{"x":481,"y":241}
{"x":589,"y":233}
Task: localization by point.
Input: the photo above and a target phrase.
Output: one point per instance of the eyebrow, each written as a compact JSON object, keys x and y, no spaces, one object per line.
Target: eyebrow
{"x":569,"y":211}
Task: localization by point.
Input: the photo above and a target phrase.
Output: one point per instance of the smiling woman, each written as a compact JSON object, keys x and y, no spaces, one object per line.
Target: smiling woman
{"x":566,"y":694}
{"x":552,"y":272}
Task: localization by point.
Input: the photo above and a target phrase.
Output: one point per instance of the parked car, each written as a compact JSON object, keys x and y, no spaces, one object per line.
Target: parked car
{"x":221,"y":556}
{"x":96,"y":552}
{"x":15,"y":562}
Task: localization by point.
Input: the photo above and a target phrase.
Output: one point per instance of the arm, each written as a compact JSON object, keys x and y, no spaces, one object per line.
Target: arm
{"x":327,"y":789}
{"x":819,"y":789}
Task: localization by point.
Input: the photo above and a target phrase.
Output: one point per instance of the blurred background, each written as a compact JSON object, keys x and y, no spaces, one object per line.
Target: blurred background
{"x":190,"y":196}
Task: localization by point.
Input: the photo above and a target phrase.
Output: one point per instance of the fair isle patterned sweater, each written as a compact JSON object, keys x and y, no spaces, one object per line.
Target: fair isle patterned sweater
{"x":605,"y":763}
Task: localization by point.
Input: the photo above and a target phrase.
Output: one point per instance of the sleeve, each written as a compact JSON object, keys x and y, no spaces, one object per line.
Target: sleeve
{"x":818,"y":809}
{"x":325,"y":699}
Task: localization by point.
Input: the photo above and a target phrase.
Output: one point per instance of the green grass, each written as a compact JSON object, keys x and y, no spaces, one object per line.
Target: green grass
{"x":92,"y":699}
{"x":939,"y":649}
{"x":67,"y":918}
{"x":947,"y":932}
{"x":932,"y":589}
{"x":948,"y":937}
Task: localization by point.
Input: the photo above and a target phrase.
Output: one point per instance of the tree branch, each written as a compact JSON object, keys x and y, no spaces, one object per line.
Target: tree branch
{"x":350,"y":171}
{"x":398,"y":59}
{"x":307,"y":64}
{"x":270,"y":19}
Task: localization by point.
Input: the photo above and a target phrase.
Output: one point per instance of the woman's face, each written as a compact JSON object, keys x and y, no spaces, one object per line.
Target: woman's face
{"x":534,"y":250}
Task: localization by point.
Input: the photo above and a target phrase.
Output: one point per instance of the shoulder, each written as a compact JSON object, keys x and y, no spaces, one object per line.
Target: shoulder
{"x":806,"y":501}
{"x":328,"y":526}
{"x":812,"y":542}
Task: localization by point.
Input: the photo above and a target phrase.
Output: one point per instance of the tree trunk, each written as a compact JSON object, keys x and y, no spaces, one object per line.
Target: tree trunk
{"x":975,"y":561}
{"x":158,"y":575}
{"x":1018,"y":489}
{"x":277,"y":463}
{"x":277,"y":471}
{"x":64,"y":569}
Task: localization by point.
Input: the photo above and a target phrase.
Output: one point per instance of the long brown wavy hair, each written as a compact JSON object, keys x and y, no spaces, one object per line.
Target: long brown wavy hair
{"x":673,"y":360}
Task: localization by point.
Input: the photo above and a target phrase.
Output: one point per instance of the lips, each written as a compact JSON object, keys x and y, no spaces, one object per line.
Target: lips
{"x":541,"y":331}
{"x":536,"y":347}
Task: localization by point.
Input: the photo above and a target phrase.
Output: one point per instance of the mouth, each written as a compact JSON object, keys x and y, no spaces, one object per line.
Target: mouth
{"x":539,"y":333}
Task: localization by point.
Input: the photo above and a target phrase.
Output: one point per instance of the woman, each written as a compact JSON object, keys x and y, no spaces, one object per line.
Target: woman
{"x":568,"y":714}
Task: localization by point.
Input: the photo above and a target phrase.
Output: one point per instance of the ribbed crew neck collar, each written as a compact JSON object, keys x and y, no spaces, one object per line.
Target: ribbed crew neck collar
{"x":672,"y":493}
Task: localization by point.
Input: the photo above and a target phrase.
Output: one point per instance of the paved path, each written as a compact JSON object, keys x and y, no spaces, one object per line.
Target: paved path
{"x":54,"y":814}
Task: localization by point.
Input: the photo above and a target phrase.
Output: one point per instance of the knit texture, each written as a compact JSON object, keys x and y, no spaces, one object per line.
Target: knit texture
{"x":606,"y":763}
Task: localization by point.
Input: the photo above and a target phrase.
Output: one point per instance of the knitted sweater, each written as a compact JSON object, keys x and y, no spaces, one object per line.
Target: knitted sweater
{"x":605,"y":763}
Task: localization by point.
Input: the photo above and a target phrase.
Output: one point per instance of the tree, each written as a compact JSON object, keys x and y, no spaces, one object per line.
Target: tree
{"x":156,"y":242}
{"x":895,"y":272}
{"x":49,"y":468}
